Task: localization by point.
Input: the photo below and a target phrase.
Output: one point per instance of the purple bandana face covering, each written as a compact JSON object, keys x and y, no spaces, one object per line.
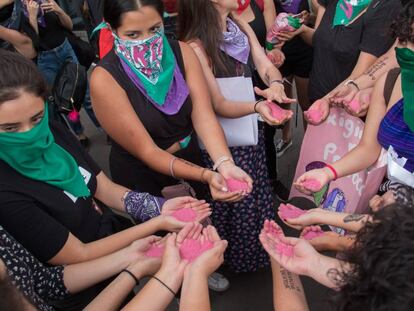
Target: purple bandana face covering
{"x":236,"y":43}
{"x":40,"y":15}
{"x":176,"y":96}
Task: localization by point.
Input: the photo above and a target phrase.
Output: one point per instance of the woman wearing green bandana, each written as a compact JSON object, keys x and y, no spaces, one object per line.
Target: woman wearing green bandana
{"x":150,"y":95}
{"x":349,"y":36}
{"x":49,"y":184}
{"x":390,"y":120}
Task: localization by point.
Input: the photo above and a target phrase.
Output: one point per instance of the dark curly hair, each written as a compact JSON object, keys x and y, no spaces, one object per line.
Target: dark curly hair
{"x":402,"y":26}
{"x":383,"y":256}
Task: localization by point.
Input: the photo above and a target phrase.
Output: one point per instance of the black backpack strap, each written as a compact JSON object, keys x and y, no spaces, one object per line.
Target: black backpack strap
{"x":392,"y":77}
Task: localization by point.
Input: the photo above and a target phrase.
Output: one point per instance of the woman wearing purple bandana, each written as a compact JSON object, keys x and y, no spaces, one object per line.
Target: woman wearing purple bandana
{"x":149,"y":94}
{"x":227,"y":50}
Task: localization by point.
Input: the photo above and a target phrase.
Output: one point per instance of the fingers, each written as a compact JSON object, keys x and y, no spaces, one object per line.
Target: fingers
{"x":259,"y":91}
{"x":184,"y":232}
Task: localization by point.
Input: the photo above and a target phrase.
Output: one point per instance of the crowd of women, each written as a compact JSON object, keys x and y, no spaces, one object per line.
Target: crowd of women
{"x":192,"y":124}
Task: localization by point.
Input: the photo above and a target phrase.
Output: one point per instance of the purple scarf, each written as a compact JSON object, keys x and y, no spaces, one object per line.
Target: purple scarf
{"x":176,"y":96}
{"x":236,"y":43}
{"x":40,"y":15}
{"x":290,"y":6}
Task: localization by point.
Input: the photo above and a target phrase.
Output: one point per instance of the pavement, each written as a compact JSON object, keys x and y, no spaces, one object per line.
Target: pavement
{"x":248,"y":291}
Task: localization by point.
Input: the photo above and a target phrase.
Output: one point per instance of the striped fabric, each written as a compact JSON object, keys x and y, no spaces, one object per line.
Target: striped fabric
{"x":394,"y":132}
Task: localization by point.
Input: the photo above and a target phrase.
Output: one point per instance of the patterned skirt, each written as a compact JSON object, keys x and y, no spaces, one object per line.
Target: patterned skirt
{"x":240,"y":223}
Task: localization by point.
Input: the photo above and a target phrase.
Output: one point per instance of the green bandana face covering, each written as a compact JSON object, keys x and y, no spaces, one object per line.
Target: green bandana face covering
{"x":347,"y":10}
{"x":405,"y":58}
{"x":35,"y":154}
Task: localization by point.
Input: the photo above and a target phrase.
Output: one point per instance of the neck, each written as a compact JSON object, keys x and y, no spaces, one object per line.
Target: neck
{"x":223,"y":18}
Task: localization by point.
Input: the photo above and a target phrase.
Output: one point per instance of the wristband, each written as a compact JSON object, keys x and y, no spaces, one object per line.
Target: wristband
{"x":332,"y":170}
{"x":220,"y":161}
{"x":172,"y":167}
{"x":255,"y":105}
{"x":352,"y":82}
{"x":142,"y":206}
{"x":132,"y":275}
{"x":277,"y":81}
{"x":165,"y":285}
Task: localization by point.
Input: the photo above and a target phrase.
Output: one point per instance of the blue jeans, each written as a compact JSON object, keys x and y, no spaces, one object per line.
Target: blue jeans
{"x":49,"y":64}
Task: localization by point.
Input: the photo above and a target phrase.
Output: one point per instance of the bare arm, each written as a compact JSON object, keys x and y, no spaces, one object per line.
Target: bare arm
{"x":3,"y":3}
{"x":22,"y":43}
{"x":269,"y":13}
{"x":288,"y":293}
{"x":52,"y":6}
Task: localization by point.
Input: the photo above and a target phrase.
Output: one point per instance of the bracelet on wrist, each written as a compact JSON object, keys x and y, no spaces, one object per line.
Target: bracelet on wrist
{"x":277,"y":81}
{"x":220,"y":161}
{"x":165,"y":285}
{"x":333,"y":170}
{"x":202,"y":175}
{"x":352,"y":82}
{"x":256,"y":103}
{"x":132,"y":276}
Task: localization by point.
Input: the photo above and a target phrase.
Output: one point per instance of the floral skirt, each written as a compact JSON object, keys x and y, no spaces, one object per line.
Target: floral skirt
{"x":240,"y":223}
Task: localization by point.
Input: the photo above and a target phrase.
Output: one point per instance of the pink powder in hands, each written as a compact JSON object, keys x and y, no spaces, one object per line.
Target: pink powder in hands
{"x":312,"y":234}
{"x":155,"y":251}
{"x":234,"y":185}
{"x":314,"y":115}
{"x":277,"y":112}
{"x":190,"y":249}
{"x":285,"y":249}
{"x":185,"y":214}
{"x":354,"y":105}
{"x":312,"y":185}
{"x":289,"y":211}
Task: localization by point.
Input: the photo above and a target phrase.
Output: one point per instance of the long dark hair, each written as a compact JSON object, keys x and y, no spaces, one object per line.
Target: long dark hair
{"x":402,"y":27}
{"x":199,"y":19}
{"x":113,"y":9}
{"x":19,"y":74}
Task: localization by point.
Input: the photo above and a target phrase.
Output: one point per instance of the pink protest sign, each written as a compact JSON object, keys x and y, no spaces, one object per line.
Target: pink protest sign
{"x":326,"y":144}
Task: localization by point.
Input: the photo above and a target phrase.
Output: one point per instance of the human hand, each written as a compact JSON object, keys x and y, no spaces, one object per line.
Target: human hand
{"x":379,"y":202}
{"x":295,"y":255}
{"x":310,"y":217}
{"x":304,"y":17}
{"x":272,"y":114}
{"x":219,"y":190}
{"x":140,"y":264}
{"x":322,"y":240}
{"x":343,"y":94}
{"x":169,"y":223}
{"x":317,"y":112}
{"x":32,"y":8}
{"x":359,"y":105}
{"x":321,"y":176}
{"x":276,"y":56}
{"x":51,"y":6}
{"x":210,"y":260}
{"x":275,"y":92}
{"x":200,"y":208}
{"x":285,"y":36}
{"x":230,"y":171}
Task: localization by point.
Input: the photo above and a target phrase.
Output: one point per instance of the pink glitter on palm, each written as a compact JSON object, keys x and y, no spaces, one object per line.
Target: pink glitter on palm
{"x":312,"y":185}
{"x":155,"y":251}
{"x":289,"y":211}
{"x":277,"y":112}
{"x":190,"y":249}
{"x":185,"y":214}
{"x":234,"y":185}
{"x":354,"y":105}
{"x":314,"y":115}
{"x":313,"y":234}
{"x":285,"y":249}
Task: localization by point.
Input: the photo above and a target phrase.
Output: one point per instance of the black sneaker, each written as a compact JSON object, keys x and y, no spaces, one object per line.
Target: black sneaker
{"x":282,"y":146}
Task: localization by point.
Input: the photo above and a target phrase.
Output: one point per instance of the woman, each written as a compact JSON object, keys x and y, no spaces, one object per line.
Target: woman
{"x":239,"y":222}
{"x":50,"y":23}
{"x":389,"y":121}
{"x":49,"y":184}
{"x":348,"y":37}
{"x":154,"y":116}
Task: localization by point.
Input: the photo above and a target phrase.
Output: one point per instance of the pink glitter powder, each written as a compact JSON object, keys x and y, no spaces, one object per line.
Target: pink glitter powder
{"x":312,"y":185}
{"x":314,"y":115}
{"x":277,"y":112}
{"x":284,"y":249}
{"x":73,"y":116}
{"x":289,"y":211}
{"x":190,"y":249}
{"x":312,"y":234}
{"x":185,"y":214}
{"x":234,"y":185}
{"x":354,"y":105}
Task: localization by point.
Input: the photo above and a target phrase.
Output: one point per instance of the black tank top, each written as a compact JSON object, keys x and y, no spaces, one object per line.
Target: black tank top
{"x":258,"y":24}
{"x":165,"y":130}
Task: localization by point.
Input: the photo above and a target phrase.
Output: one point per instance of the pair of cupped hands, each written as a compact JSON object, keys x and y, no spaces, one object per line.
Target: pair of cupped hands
{"x":172,"y":265}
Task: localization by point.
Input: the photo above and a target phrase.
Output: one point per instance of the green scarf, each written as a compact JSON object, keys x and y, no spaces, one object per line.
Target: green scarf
{"x":35,"y":155}
{"x":158,"y":91}
{"x":405,"y":58}
{"x":347,"y":10}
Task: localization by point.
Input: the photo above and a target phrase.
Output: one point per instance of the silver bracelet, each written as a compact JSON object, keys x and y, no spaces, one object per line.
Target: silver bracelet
{"x":172,"y":167}
{"x":220,"y":161}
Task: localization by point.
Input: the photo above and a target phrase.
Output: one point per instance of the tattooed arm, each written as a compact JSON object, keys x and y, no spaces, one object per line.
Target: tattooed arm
{"x":288,"y":293}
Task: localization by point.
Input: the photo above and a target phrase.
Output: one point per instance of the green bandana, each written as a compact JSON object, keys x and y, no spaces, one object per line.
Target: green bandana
{"x":131,"y":52}
{"x":347,"y":10}
{"x":405,"y":58}
{"x":35,"y":154}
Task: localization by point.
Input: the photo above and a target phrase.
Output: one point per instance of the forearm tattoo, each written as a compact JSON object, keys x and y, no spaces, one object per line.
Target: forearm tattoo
{"x":189,"y":163}
{"x":371,"y":71}
{"x":353,"y":218}
{"x":289,"y":281}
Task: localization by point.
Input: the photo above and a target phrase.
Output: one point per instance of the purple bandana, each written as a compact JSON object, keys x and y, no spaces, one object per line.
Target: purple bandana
{"x":290,"y":6}
{"x":40,"y":15}
{"x":236,"y":43}
{"x":176,"y":96}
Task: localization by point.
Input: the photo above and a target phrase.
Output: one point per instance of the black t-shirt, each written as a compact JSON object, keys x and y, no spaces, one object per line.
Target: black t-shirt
{"x":40,"y":216}
{"x":336,"y":49}
{"x":53,"y":34}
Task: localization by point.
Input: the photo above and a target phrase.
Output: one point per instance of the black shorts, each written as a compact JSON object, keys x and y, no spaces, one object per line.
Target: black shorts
{"x":299,"y":57}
